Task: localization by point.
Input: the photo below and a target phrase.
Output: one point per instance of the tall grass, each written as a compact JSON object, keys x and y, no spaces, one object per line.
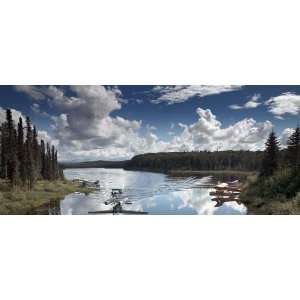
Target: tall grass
{"x":278,"y":194}
{"x":22,"y":201}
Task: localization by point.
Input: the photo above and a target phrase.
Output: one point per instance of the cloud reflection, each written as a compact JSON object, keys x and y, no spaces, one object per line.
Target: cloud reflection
{"x":138,"y":185}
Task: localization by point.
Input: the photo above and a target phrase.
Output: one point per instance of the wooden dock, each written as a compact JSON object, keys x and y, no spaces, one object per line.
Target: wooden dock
{"x":226,"y":192}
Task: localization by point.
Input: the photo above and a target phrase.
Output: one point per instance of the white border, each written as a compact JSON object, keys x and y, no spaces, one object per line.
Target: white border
{"x":149,"y":42}
{"x":151,"y":257}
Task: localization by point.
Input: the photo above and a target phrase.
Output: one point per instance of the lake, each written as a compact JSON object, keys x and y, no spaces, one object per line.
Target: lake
{"x":147,"y":192}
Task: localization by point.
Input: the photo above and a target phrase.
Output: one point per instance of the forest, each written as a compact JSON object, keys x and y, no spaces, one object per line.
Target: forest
{"x":202,"y":160}
{"x":23,"y":159}
{"x":276,"y":188}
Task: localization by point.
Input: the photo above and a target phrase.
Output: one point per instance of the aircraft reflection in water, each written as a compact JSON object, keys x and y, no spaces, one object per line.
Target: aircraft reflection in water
{"x":127,"y":192}
{"x":120,"y":200}
{"x":117,"y":201}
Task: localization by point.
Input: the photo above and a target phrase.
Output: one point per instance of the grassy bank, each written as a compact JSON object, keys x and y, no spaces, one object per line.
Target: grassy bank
{"x":276,"y":195}
{"x":21,"y":201}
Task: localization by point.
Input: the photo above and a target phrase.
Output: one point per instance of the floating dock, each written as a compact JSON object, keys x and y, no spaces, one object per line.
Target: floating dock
{"x":226,"y":192}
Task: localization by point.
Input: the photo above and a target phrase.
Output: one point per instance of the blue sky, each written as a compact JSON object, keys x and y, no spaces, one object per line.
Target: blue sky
{"x":116,"y":122}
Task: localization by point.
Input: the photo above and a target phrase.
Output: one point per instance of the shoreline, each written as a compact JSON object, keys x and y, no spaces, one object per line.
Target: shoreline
{"x":176,"y":172}
{"x":21,"y":201}
{"x":207,"y":172}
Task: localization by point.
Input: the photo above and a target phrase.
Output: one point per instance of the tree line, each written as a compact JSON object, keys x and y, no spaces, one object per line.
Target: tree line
{"x":274,"y":158}
{"x":198,"y":160}
{"x":265,"y":162}
{"x":23,"y":159}
{"x":276,"y":189}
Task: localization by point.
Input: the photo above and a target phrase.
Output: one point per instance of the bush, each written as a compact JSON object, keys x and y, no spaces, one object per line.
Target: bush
{"x":278,"y":194}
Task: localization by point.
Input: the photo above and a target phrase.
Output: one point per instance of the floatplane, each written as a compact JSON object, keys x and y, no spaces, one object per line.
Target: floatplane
{"x":117,"y":201}
{"x":88,"y":184}
{"x":226,"y":192}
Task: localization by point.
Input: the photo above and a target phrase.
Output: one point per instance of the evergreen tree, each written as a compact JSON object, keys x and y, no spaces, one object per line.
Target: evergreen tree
{"x":4,"y":151}
{"x":57,"y":175}
{"x":43,"y":160}
{"x":15,"y":165}
{"x":293,"y":150}
{"x":25,"y":160}
{"x":53,"y":164}
{"x":29,"y":163}
{"x":36,"y":154}
{"x":48,"y":163}
{"x":21,"y":151}
{"x":270,"y":160}
{"x":9,"y":145}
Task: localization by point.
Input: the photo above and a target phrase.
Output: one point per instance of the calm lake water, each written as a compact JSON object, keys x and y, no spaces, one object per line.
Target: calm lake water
{"x":152,"y":193}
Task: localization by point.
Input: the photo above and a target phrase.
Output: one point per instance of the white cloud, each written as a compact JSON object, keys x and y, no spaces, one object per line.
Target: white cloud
{"x":287,"y":132}
{"x":200,"y":200}
{"x":44,"y":135}
{"x":287,"y":103}
{"x":85,"y":129}
{"x":181,"y":93}
{"x":35,"y":107}
{"x":208,"y":134}
{"x":151,"y":128}
{"x":15,"y":115}
{"x":33,"y":91}
{"x":252,"y":103}
{"x":139,"y":101}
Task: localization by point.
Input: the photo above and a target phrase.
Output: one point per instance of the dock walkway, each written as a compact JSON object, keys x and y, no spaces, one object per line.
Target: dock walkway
{"x":226,"y":192}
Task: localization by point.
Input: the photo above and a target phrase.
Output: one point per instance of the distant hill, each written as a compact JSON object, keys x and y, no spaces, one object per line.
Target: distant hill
{"x":95,"y":164}
{"x":170,"y":161}
{"x":202,"y":160}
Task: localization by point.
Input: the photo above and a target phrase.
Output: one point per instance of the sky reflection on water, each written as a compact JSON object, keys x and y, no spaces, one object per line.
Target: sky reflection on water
{"x":147,"y":191}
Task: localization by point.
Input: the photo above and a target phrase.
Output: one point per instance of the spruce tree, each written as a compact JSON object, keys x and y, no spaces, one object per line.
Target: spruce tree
{"x":293,"y":150}
{"x":57,"y":175}
{"x":24,"y":160}
{"x":48,"y":163}
{"x":29,"y":155}
{"x":9,"y":144}
{"x":53,"y":165}
{"x":270,"y":160}
{"x":4,"y":151}
{"x":21,"y":151}
{"x":36,"y":154}
{"x":15,"y":165}
{"x":43,"y":160}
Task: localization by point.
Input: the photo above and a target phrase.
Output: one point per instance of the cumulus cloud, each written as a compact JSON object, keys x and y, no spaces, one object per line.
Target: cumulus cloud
{"x":208,"y":134}
{"x":182,"y":93}
{"x":252,"y":103}
{"x":15,"y":115}
{"x":287,"y":103}
{"x":35,"y":92}
{"x":86,"y":116}
{"x":35,"y":107}
{"x":86,"y":129}
{"x":44,"y":135}
{"x":287,"y":132}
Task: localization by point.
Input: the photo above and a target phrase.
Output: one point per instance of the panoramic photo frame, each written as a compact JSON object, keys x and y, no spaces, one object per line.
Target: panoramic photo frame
{"x":133,"y":149}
